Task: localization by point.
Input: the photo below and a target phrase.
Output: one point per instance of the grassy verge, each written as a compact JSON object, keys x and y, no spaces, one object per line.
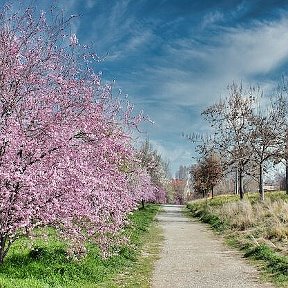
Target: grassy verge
{"x":139,"y":274}
{"x":47,"y":265}
{"x":259,"y":229}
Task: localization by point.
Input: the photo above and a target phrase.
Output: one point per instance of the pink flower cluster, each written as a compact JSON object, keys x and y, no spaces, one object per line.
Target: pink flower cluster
{"x":66,"y":159}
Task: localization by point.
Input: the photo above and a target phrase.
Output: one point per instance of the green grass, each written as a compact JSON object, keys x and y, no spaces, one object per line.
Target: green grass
{"x":275,"y":263}
{"x":47,"y":264}
{"x":139,"y":274}
{"x":259,"y":229}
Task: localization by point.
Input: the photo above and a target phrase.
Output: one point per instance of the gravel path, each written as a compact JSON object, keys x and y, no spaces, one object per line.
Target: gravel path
{"x":193,"y":257}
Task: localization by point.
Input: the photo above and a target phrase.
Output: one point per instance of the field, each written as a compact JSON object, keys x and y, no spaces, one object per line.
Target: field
{"x":45,"y":264}
{"x":259,"y":229}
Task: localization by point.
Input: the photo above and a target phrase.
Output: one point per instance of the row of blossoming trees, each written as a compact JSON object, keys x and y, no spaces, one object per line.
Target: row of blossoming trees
{"x":66,"y":154}
{"x":249,"y":134}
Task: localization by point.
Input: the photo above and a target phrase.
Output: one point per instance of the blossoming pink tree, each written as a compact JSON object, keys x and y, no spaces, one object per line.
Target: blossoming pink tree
{"x":63,"y":142}
{"x":150,"y":161}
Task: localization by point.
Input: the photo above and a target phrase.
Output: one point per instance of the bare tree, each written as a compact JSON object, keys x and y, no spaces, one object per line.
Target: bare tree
{"x":249,"y":132}
{"x":229,"y":118}
{"x":283,"y":103}
{"x":285,"y":136}
{"x":286,"y":160}
{"x":266,"y":141}
{"x":182,"y":172}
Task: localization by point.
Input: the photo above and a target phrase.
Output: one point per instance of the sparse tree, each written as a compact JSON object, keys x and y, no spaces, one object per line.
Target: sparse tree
{"x":213,"y":171}
{"x":282,"y":101}
{"x":229,"y":118}
{"x":249,"y":133}
{"x":182,"y":172}
{"x":286,"y":162}
{"x":266,"y":126}
{"x":197,"y":179}
{"x":180,"y":185}
{"x":207,"y":173}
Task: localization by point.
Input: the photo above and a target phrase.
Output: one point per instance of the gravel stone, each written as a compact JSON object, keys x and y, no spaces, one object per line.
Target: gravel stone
{"x":193,"y":257}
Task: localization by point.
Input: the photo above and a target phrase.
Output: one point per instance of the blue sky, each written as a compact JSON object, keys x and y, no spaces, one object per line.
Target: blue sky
{"x":175,"y":57}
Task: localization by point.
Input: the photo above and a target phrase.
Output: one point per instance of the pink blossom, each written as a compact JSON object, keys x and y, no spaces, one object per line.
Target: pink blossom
{"x":66,"y":154}
{"x":73,"y":40}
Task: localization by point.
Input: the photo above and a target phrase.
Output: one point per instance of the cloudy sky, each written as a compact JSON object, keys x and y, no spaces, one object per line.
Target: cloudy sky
{"x":176,"y":57}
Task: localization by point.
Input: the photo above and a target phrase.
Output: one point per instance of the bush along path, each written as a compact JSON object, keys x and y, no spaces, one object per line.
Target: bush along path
{"x":193,"y":257}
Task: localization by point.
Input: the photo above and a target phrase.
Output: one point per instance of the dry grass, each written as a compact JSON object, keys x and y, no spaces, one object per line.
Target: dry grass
{"x":239,"y":214}
{"x":258,"y":229}
{"x":264,"y":222}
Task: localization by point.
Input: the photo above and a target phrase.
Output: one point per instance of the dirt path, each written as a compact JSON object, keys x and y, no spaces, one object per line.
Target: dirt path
{"x":193,"y":257}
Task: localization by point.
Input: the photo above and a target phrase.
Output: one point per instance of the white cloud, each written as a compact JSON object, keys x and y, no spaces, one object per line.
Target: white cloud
{"x":138,"y":40}
{"x":189,"y":72}
{"x":118,"y":32}
{"x":176,"y":155}
{"x":211,"y":19}
{"x":252,"y":51}
{"x":193,"y":75}
{"x":199,"y":77}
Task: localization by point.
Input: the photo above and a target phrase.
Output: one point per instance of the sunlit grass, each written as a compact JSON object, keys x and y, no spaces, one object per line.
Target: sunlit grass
{"x":47,"y":263}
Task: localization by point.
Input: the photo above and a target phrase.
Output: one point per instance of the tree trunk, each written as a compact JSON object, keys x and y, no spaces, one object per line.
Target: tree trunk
{"x":1,"y":256}
{"x":143,"y":204}
{"x":261,"y":184}
{"x":2,"y":249}
{"x":212,"y":192}
{"x":241,"y":190}
{"x":236,"y":189}
{"x":286,"y":158}
{"x":286,"y":180}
